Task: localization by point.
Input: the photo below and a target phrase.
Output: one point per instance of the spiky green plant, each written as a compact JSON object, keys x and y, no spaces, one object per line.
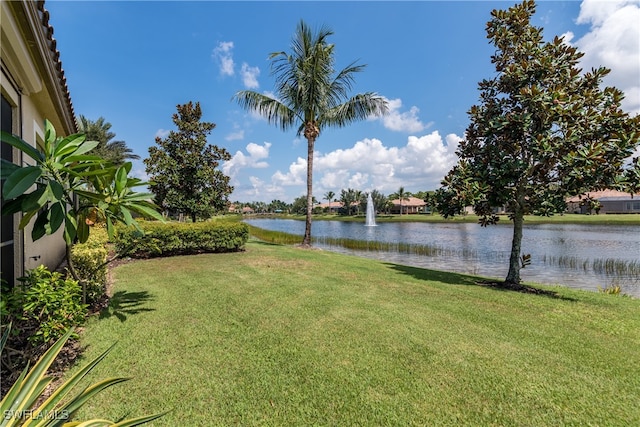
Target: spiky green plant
{"x":21,"y":407}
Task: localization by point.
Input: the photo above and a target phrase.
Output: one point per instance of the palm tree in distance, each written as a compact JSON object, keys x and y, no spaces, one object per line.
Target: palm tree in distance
{"x":329,"y":195}
{"x":402,"y":195}
{"x":116,"y":152}
{"x":311,"y":96}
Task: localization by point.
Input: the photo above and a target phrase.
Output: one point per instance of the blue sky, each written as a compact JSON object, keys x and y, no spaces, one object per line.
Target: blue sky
{"x":133,"y":62}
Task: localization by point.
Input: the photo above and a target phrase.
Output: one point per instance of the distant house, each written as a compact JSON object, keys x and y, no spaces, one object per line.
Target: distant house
{"x":332,"y":207}
{"x":611,"y":202}
{"x":410,"y":205}
{"x":34,"y":88}
{"x":247,"y":210}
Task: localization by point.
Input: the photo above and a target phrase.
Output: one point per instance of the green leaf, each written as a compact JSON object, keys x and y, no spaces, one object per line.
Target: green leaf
{"x":110,"y":229}
{"x":7,"y":168}
{"x":74,"y":404}
{"x":85,"y":158}
{"x":35,"y":200}
{"x":20,"y":180}
{"x":70,"y":228}
{"x":56,"y":191}
{"x":90,"y":195}
{"x":23,"y":393}
{"x":49,"y":136}
{"x":138,"y":197}
{"x":145,"y":211}
{"x":68,"y":145}
{"x":12,"y":206}
{"x":26,"y":218}
{"x":86,"y":146}
{"x":82,"y":229}
{"x":39,"y":227}
{"x":126,"y":213}
{"x":55,"y":218}
{"x":121,"y":179}
{"x":140,"y":420}
{"x":21,"y":145}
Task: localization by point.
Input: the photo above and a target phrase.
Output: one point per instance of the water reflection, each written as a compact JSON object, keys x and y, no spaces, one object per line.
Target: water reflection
{"x":561,"y":253}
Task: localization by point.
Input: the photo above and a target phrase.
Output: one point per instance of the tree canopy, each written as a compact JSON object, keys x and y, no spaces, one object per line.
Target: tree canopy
{"x":116,"y":152}
{"x":183,"y":167}
{"x":543,"y":130}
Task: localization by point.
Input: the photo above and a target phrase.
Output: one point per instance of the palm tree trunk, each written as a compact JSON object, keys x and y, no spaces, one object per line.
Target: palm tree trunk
{"x":306,"y":241}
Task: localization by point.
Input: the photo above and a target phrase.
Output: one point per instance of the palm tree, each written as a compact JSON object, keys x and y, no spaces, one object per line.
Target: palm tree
{"x":116,"y":152}
{"x":329,"y":195}
{"x":359,"y":197}
{"x":402,"y":195}
{"x":311,"y":96}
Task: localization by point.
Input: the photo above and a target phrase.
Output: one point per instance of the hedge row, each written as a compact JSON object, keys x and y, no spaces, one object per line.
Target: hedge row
{"x":90,"y":262}
{"x":168,"y":239}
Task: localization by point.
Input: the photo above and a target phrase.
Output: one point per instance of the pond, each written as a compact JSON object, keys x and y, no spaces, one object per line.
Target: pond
{"x":574,"y":255}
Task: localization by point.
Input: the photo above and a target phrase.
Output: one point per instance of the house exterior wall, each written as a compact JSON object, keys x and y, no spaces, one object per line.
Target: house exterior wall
{"x":620,"y":206}
{"x":33,"y":83}
{"x":411,"y":205}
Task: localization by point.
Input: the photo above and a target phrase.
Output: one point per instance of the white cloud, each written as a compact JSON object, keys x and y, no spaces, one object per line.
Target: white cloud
{"x":369,"y":164}
{"x":162,"y":133}
{"x":140,"y":173}
{"x":297,"y":174}
{"x":250,"y":76}
{"x":235,"y":136}
{"x":223,"y":54}
{"x":254,"y":159}
{"x":613,"y":41}
{"x":407,"y":121}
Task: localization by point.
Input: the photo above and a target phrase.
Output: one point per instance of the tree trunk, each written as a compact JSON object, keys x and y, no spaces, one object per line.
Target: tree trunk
{"x":513,"y":276}
{"x":74,"y":273}
{"x":193,"y":217}
{"x":307,"y":228}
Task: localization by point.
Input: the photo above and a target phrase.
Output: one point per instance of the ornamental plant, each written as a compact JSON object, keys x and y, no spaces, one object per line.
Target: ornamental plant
{"x":63,"y":186}
{"x":26,"y":405}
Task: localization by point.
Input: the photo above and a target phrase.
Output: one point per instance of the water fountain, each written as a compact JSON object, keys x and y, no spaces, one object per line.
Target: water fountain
{"x":371,"y":213}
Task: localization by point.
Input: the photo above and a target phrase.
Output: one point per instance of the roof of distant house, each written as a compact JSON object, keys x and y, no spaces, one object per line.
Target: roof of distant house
{"x":409,"y":201}
{"x":603,"y":194}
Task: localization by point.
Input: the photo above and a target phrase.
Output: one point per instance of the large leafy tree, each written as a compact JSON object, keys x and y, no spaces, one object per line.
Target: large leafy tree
{"x":311,"y":96}
{"x":543,"y":130}
{"x":116,"y":152}
{"x":183,"y":167}
{"x":348,"y":198}
{"x":379,"y":200}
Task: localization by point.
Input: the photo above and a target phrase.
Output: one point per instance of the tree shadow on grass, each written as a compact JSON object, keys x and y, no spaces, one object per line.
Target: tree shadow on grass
{"x":461,"y":279}
{"x":124,"y":304}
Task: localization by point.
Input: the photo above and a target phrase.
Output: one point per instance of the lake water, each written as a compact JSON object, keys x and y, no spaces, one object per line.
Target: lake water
{"x":566,"y":254}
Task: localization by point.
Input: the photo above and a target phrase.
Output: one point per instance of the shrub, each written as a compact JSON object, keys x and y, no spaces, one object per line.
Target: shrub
{"x":90,"y":262}
{"x":45,"y":306}
{"x":167,"y":239}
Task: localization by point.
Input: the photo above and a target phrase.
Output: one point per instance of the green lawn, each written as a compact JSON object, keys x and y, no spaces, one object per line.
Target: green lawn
{"x":280,"y":336}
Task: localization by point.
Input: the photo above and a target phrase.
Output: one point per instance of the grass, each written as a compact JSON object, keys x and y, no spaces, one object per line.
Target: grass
{"x":280,"y":336}
{"x":612,"y":219}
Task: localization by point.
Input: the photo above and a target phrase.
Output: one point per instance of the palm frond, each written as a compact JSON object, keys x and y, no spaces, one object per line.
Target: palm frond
{"x":271,"y":109}
{"x":359,"y":107}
